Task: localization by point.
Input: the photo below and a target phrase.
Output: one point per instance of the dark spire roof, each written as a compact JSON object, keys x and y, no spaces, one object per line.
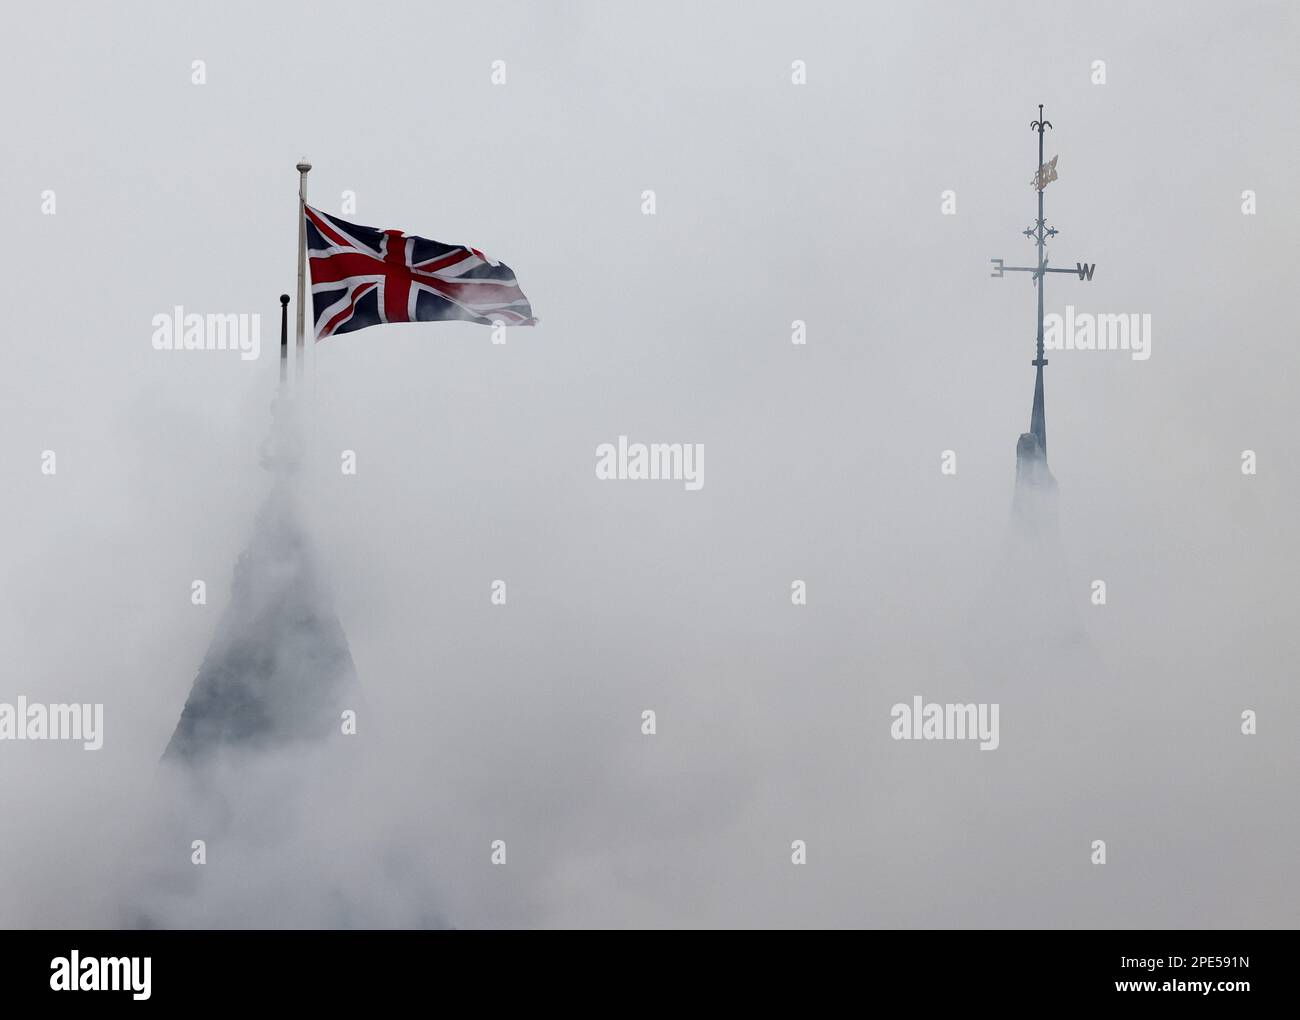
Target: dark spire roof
{"x":279,"y":669}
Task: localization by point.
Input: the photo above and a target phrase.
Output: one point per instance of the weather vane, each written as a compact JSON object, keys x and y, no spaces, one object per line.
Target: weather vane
{"x":1040,"y":232}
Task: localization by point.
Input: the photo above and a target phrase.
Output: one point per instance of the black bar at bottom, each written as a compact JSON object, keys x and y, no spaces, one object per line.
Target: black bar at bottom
{"x":304,"y":969}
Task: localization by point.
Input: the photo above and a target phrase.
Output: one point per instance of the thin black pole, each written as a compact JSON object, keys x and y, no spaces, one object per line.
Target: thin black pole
{"x":284,"y":339}
{"x":1038,"y":416}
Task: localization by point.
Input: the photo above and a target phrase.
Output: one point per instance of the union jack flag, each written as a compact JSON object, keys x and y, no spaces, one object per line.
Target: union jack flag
{"x":363,"y":277}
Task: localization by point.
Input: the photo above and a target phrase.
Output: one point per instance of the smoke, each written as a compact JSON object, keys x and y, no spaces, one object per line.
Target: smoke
{"x":281,"y":847}
{"x":279,"y":669}
{"x":258,"y":771}
{"x":771,"y":728}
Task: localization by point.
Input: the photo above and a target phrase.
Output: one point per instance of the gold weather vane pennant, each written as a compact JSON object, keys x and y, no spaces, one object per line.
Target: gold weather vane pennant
{"x":1046,"y":174}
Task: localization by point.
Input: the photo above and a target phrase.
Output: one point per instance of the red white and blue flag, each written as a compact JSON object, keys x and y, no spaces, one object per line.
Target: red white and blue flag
{"x":363,"y":277}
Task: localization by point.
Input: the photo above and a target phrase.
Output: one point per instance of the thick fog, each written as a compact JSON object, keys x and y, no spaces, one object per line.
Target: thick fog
{"x":475,"y":462}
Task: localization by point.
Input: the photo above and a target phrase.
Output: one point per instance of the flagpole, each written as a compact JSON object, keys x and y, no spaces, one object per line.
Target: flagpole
{"x":303,"y":168}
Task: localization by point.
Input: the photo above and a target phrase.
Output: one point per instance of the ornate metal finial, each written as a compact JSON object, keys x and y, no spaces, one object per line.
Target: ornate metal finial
{"x":1039,"y":125}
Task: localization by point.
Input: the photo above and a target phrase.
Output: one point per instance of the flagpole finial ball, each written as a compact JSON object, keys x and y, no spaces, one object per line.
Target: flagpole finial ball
{"x":284,"y":299}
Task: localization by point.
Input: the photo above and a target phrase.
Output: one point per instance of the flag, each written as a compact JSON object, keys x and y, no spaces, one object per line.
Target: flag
{"x":1046,"y":174}
{"x":363,"y":277}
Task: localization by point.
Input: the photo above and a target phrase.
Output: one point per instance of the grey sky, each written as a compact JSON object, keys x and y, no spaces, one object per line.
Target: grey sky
{"x":775,"y":202}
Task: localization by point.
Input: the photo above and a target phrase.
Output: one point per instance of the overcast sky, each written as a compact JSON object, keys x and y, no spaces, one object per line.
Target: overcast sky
{"x":775,"y":202}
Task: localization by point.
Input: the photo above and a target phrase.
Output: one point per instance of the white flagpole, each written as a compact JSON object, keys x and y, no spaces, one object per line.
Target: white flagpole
{"x":303,"y":168}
